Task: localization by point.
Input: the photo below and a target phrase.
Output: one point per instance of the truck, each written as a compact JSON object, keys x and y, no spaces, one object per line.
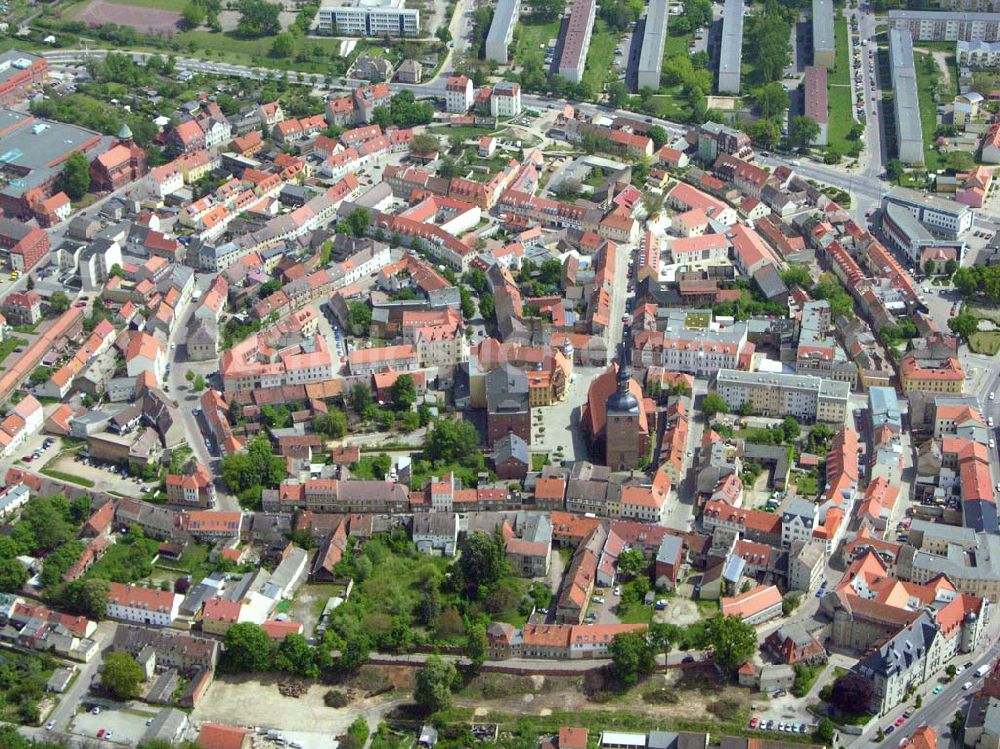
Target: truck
{"x":982,"y":670}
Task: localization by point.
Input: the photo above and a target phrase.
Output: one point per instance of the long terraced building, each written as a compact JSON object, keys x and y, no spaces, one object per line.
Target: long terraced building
{"x":654,"y":37}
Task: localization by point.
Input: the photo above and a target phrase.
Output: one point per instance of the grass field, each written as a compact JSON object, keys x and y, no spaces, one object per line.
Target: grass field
{"x":601,"y":55}
{"x":677,"y":44}
{"x":985,"y":342}
{"x":534,"y":38}
{"x":60,"y":476}
{"x":928,"y":108}
{"x":842,"y":72}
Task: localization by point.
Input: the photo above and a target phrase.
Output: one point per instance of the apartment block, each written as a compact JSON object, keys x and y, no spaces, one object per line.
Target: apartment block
{"x":501,"y":31}
{"x":368,"y":18}
{"x":805,"y":397}
{"x":576,"y":42}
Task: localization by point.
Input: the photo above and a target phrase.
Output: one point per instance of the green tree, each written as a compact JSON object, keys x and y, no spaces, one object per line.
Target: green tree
{"x":852,"y":693}
{"x":658,"y":135}
{"x":248,"y":649}
{"x":361,"y":317}
{"x":13,"y":576}
{"x":958,"y":723}
{"x":451,"y":440}
{"x":332,"y":424}
{"x":258,"y":18}
{"x":791,"y":429}
{"x":484,"y":560}
{"x":824,"y":732}
{"x":930,"y":268}
{"x":434,"y":682}
{"x":797,"y":275}
{"x":425,"y":143}
{"x":294,"y":656}
{"x":951,"y":671}
{"x":358,"y":222}
{"x":403,"y":393}
{"x":790,"y":602}
{"x":950,"y":267}
{"x":193,"y":15}
{"x":802,"y":132}
{"x":75,"y":178}
{"x":963,"y":324}
{"x":894,"y":170}
{"x":733,"y":642}
{"x":631,"y":562}
{"x":283,"y":45}
{"x":476,"y":645}
{"x":257,"y":468}
{"x":771,"y":99}
{"x":664,"y":635}
{"x":631,"y":657}
{"x":713,"y":404}
{"x":198,"y":384}
{"x":467,"y":303}
{"x":361,"y":398}
{"x":764,"y":133}
{"x":121,"y":675}
{"x":87,"y":597}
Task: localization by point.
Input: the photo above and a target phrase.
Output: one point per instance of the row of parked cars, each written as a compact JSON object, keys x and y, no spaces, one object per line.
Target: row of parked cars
{"x":783,"y":726}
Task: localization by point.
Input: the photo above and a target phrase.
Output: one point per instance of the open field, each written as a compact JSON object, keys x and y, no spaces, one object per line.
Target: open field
{"x":600,"y":56}
{"x":677,"y":44}
{"x":534,"y":38}
{"x":142,"y":16}
{"x":173,"y":5}
{"x":926,"y":81}
{"x":985,"y":342}
{"x":841,"y":74}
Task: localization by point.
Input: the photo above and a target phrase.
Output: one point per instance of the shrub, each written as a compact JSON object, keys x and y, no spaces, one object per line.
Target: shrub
{"x":335,"y":698}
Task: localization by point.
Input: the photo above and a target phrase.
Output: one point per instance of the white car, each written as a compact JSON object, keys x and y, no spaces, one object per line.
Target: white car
{"x":993,"y":395}
{"x":50,"y":725}
{"x":993,"y":443}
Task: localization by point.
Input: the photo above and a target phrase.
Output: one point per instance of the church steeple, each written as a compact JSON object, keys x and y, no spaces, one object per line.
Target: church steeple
{"x":622,"y":400}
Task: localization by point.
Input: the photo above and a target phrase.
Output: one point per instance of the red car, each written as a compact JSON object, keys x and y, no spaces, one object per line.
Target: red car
{"x":900,"y":720}
{"x":753,"y":722}
{"x":100,"y":734}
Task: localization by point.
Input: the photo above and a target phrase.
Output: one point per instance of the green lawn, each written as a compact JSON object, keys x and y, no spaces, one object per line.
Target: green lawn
{"x":126,"y":562}
{"x":842,"y":72}
{"x":8,"y":346}
{"x":539,"y":461}
{"x":840,"y":119}
{"x":637,"y":614}
{"x":466,"y":131}
{"x":985,"y":342}
{"x":926,"y":82}
{"x":600,"y":56}
{"x":677,"y":44}
{"x":807,"y":485}
{"x":534,"y":39}
{"x":60,"y":476}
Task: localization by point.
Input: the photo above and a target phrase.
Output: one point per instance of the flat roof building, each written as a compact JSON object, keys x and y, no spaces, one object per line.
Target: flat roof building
{"x":947,"y":26}
{"x":576,"y":43}
{"x":773,"y":394}
{"x":906,"y":104}
{"x":502,"y":30}
{"x":654,"y":37}
{"x":945,"y":218}
{"x":367,"y":18}
{"x":824,"y":45}
{"x":731,"y":48}
{"x":816,"y":106}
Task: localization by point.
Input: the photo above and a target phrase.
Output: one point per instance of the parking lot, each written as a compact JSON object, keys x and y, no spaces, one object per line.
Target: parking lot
{"x":124,"y":725}
{"x":103,"y":475}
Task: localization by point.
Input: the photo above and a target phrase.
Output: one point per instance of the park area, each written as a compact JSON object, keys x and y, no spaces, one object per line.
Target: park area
{"x":985,"y":342}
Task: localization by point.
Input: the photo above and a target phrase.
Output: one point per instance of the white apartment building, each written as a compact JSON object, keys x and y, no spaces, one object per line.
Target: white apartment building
{"x":942,"y":216}
{"x":368,"y":18}
{"x":458,"y":94}
{"x":978,"y":54}
{"x":945,"y":26}
{"x":798,"y":521}
{"x":501,"y":31}
{"x":776,"y":395}
{"x":506,"y":99}
{"x":133,"y":603}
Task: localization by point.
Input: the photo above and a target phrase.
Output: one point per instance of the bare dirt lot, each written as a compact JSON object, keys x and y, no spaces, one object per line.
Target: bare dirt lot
{"x":236,"y":701}
{"x":147,"y":20}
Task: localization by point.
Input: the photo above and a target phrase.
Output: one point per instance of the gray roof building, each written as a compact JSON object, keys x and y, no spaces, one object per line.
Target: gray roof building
{"x":731,"y":48}
{"x":824,"y":47}
{"x":501,"y":31}
{"x":909,"y":136}
{"x":654,"y":37}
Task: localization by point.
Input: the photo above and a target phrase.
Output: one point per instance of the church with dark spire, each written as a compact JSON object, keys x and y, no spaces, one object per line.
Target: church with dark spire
{"x":616,"y":417}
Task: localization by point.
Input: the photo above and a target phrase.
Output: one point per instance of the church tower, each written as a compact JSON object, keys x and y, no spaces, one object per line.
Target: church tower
{"x":624,"y":414}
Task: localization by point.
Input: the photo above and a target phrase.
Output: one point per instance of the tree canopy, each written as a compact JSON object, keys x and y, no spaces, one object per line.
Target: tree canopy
{"x":852,"y":693}
{"x":632,"y":656}
{"x":258,"y":18}
{"x":248,"y":649}
{"x":122,"y":675}
{"x":75,"y":178}
{"x":434,"y":682}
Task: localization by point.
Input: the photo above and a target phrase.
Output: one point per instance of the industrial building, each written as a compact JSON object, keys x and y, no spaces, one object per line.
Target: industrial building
{"x":909,"y":136}
{"x":824,"y":45}
{"x":654,"y":37}
{"x":502,"y":30}
{"x":368,"y":18}
{"x":731,"y":48}
{"x":576,"y":43}
{"x":947,"y":26}
{"x":816,"y":104}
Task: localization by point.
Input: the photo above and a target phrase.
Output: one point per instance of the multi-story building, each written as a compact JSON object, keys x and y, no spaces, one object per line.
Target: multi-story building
{"x":508,"y":406}
{"x":501,"y":31}
{"x":253,"y":363}
{"x":368,"y":18}
{"x":731,"y":48}
{"x":133,"y":603}
{"x":909,"y":136}
{"x":194,"y":486}
{"x":823,"y":35}
{"x":19,"y":71}
{"x":817,"y":106}
{"x":23,"y":308}
{"x":978,"y":54}
{"x":654,"y":37}
{"x":439,"y":337}
{"x":974,"y":570}
{"x":458,"y":94}
{"x":505,"y":101}
{"x":947,"y":26}
{"x":714,"y":138}
{"x":943,"y":376}
{"x":119,"y":165}
{"x":941,"y":216}
{"x":576,"y":42}
{"x":776,"y":394}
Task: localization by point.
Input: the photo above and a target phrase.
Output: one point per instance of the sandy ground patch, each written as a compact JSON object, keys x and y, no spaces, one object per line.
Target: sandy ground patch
{"x":680,"y":611}
{"x":238,"y":701}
